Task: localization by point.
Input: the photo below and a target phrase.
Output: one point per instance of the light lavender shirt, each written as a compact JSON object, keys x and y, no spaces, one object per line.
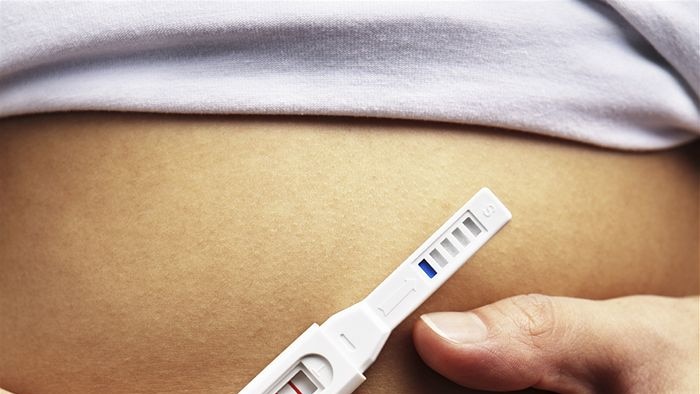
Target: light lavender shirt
{"x":616,"y":74}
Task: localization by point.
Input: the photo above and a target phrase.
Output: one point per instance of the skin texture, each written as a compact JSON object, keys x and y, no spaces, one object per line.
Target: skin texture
{"x":153,"y":253}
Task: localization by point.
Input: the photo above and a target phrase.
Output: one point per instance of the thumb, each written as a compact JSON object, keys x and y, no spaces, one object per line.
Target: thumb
{"x":552,"y":343}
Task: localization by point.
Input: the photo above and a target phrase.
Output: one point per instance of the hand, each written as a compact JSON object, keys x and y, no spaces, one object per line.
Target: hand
{"x":638,"y":344}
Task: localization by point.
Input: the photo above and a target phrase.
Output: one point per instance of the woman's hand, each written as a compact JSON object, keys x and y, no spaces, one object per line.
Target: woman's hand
{"x":638,"y":344}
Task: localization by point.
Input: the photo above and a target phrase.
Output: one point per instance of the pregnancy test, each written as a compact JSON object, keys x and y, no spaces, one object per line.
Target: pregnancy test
{"x":331,"y":358}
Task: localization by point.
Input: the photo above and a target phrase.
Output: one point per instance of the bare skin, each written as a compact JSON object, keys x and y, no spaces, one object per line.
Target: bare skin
{"x":153,"y":253}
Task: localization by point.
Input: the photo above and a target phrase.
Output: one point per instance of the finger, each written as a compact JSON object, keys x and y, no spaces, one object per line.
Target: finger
{"x":554,"y":343}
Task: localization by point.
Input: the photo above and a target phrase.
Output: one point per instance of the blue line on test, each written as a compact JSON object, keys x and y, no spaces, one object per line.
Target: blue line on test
{"x":427,"y":268}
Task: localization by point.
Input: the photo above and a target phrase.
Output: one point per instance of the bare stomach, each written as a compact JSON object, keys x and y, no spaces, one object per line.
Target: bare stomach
{"x":153,"y":253}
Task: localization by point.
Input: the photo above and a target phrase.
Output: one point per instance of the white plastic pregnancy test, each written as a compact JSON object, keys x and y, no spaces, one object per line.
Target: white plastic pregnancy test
{"x":331,"y":358}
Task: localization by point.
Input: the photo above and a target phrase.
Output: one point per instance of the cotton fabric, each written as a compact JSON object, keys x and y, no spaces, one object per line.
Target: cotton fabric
{"x":619,"y":74}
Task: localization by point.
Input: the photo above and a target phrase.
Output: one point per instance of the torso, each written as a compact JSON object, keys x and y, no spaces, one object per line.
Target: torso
{"x":157,"y":253}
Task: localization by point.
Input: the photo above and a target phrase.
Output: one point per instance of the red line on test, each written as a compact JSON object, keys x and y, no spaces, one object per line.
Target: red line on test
{"x":294,"y":388}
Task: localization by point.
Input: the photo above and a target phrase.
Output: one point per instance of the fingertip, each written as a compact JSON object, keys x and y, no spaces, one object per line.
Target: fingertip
{"x":457,"y":362}
{"x":428,"y":343}
{"x":468,"y":358}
